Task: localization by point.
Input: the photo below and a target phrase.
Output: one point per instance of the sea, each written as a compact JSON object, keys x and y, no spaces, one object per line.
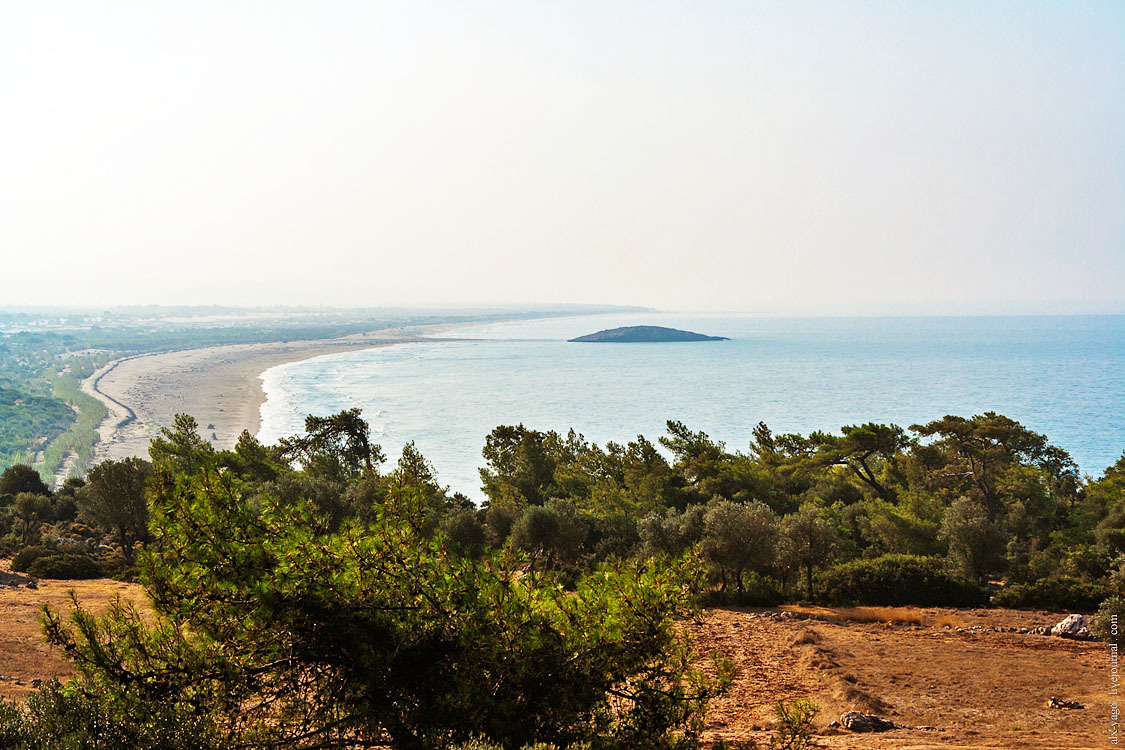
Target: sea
{"x":1063,"y":376}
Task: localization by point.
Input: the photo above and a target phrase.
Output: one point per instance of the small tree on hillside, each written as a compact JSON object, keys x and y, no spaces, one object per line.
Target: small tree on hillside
{"x":555,"y":530}
{"x":811,"y":541}
{"x":32,"y":509}
{"x":22,"y":478}
{"x":114,"y":498}
{"x":737,"y":539}
{"x":338,"y":447}
{"x":975,"y":543}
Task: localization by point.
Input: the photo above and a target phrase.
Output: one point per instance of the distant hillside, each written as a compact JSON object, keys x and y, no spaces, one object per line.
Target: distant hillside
{"x":644,"y":335}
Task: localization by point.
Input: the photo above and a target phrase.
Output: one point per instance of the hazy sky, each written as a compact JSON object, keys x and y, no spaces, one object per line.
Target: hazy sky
{"x":786,"y":157}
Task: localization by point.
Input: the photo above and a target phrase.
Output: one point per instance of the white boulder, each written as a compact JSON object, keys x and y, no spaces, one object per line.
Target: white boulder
{"x":1072,"y":626}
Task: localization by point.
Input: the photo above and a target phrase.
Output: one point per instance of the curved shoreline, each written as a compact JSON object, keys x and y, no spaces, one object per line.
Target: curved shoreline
{"x":109,"y":401}
{"x":220,"y":386}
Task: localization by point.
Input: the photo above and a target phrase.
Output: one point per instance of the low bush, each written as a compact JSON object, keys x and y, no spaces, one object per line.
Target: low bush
{"x":1056,"y":592}
{"x":23,"y":558}
{"x":116,"y":567}
{"x":757,"y":591}
{"x":55,"y":718}
{"x":64,"y":566}
{"x":898,"y":580}
{"x":1109,"y":620}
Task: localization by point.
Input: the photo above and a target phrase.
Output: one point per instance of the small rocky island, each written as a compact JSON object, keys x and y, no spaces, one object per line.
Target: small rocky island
{"x":644,"y":335}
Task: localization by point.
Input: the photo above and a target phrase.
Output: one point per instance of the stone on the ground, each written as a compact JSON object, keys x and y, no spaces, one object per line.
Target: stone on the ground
{"x":1072,"y":626}
{"x":1063,"y":704}
{"x":12,"y":579}
{"x":857,"y":722}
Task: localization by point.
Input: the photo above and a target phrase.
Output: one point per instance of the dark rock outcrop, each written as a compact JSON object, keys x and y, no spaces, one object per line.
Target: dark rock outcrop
{"x":857,"y":722}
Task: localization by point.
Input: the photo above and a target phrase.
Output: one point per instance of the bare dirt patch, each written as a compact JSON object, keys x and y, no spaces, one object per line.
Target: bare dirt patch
{"x":24,"y":657}
{"x":949,"y":688}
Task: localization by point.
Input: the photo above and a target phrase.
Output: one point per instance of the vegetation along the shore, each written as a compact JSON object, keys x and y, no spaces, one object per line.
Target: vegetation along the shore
{"x":303,"y":595}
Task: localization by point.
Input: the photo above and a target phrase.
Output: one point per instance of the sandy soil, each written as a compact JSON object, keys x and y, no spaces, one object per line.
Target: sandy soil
{"x":947,"y":689}
{"x":24,"y":657}
{"x":219,"y":386}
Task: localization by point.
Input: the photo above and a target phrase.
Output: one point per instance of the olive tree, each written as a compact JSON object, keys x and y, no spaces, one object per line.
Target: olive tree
{"x":810,"y":540}
{"x":975,"y":542}
{"x":738,"y":539}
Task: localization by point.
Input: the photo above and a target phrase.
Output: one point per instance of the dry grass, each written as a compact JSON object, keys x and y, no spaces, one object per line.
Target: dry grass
{"x":946,"y":621}
{"x":24,"y":656}
{"x":896,"y":616}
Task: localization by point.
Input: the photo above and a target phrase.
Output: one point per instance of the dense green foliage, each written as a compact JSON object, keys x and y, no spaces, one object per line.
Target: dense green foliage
{"x":64,"y":565}
{"x":289,"y":626}
{"x":28,"y":422}
{"x":22,"y":478}
{"x":1057,"y":592}
{"x":981,"y":499}
{"x":307,"y":596}
{"x":58,"y":718}
{"x":894,"y":580}
{"x":114,"y":498}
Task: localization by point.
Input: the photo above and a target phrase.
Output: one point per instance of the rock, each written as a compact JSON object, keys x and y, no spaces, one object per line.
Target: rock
{"x":857,"y":722}
{"x":1072,"y":626}
{"x":12,"y":579}
{"x":832,"y":729}
{"x":1063,"y":704}
{"x":32,"y":584}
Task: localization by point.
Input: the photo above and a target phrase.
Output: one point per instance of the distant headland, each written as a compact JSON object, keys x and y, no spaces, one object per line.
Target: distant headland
{"x":644,"y":335}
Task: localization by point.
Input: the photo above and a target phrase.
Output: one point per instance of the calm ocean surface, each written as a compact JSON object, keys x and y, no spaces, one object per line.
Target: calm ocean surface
{"x":1064,"y":376}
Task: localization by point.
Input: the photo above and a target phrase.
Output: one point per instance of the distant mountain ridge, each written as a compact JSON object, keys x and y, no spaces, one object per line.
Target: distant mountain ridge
{"x":644,"y":335}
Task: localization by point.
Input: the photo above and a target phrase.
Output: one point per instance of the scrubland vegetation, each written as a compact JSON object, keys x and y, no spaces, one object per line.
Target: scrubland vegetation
{"x":309,"y":595}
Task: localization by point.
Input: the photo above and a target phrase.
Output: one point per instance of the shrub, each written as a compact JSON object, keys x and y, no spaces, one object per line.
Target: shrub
{"x":1056,"y":592}
{"x":794,"y":725}
{"x":55,"y":718}
{"x":23,"y":559}
{"x":896,"y":580}
{"x":116,"y":567}
{"x":1110,"y":617}
{"x":757,"y":591}
{"x":274,"y":630}
{"x":64,"y":566}
{"x":65,"y":509}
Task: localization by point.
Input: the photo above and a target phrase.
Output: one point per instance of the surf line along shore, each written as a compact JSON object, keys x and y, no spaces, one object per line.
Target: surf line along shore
{"x":219,"y":386}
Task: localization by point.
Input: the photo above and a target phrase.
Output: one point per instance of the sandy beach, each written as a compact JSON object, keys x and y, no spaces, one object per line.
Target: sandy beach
{"x":220,"y":386}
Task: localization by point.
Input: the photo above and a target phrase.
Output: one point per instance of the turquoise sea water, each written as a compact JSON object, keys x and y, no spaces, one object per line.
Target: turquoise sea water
{"x":1064,"y":376}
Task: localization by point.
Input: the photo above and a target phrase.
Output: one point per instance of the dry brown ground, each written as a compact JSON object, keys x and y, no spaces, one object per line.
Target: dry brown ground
{"x":24,"y":656}
{"x":974,"y":689}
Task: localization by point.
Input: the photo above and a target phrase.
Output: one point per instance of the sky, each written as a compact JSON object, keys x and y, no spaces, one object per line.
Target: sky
{"x":776,"y":157}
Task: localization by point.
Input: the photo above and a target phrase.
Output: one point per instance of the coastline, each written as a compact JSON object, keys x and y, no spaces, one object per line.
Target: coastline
{"x":219,"y":386}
